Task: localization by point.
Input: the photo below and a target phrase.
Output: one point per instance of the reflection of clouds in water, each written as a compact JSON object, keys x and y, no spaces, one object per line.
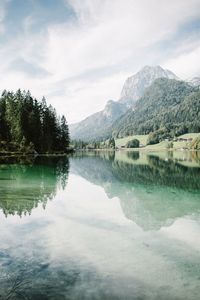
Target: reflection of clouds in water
{"x":127,"y":252}
{"x":185,"y":230}
{"x":83,"y":247}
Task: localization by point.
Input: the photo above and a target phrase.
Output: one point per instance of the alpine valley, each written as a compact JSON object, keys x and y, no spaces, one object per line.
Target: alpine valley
{"x":152,"y":100}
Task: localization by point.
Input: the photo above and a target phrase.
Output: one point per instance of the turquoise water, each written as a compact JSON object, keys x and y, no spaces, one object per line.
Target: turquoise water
{"x":116,"y":225}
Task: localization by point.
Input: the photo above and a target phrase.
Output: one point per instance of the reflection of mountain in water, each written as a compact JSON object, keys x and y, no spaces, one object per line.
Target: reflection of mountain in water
{"x":24,"y":186}
{"x":153,"y":192}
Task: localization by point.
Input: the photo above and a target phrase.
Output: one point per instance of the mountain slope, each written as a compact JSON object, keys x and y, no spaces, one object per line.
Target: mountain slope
{"x":97,"y":126}
{"x":135,"y":85}
{"x":167,"y":104}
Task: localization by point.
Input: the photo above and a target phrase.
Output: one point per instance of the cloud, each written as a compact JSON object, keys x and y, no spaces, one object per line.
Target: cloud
{"x":185,"y":64}
{"x":29,"y":69}
{"x":82,"y":62}
{"x":81,"y":97}
{"x":110,"y":33}
{"x":3,"y":4}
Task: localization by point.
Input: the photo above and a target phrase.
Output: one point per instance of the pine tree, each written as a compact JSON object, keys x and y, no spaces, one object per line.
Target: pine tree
{"x":111,"y":143}
{"x":64,"y":133}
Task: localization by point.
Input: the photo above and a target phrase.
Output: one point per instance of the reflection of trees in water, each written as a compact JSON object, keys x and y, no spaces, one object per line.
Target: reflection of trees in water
{"x":103,"y":167}
{"x":158,"y":172}
{"x":135,"y":155}
{"x":103,"y":154}
{"x":24,"y":185}
{"x":164,"y":191}
{"x":152,"y":194}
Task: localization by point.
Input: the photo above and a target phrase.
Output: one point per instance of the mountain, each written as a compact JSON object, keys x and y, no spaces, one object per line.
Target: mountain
{"x":168,"y":105}
{"x":135,"y":85}
{"x":97,"y":126}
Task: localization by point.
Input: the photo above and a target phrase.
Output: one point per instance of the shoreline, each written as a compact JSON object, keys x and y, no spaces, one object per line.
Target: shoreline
{"x":18,"y":154}
{"x":72,"y":151}
{"x":138,"y":150}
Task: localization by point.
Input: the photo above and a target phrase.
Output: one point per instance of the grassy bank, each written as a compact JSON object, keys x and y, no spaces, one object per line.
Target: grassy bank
{"x":122,"y":142}
{"x":182,"y":142}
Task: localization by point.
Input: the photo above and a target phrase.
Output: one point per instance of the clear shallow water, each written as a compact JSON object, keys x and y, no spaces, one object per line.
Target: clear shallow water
{"x":101,"y":226}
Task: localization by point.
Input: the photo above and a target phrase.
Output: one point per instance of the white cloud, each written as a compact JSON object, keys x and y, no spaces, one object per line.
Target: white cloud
{"x":83,"y":97}
{"x":186,"y":64}
{"x":120,"y":31}
{"x":2,"y":14}
{"x":86,"y":61}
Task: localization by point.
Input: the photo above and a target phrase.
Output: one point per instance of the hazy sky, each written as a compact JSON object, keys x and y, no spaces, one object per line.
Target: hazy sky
{"x":78,"y":53}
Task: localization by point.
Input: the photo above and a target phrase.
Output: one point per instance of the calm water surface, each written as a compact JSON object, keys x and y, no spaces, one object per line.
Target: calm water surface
{"x":122,"y":225}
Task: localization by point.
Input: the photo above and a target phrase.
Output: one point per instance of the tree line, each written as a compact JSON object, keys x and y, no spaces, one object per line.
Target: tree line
{"x":83,"y":145}
{"x":32,"y":124}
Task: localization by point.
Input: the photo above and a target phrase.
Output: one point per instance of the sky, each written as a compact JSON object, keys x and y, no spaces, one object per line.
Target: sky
{"x":78,"y":53}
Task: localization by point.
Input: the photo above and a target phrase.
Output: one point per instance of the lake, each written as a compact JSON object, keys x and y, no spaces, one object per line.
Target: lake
{"x":101,"y":225}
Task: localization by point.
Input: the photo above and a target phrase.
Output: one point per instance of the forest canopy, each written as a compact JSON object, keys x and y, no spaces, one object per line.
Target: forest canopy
{"x":168,"y":108}
{"x":31,"y":123}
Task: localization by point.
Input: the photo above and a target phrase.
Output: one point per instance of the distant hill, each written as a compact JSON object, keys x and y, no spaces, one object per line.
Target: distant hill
{"x":168,"y":105}
{"x":98,"y":126}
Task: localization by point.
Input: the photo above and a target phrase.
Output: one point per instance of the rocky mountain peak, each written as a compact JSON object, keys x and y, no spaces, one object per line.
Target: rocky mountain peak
{"x":135,"y":85}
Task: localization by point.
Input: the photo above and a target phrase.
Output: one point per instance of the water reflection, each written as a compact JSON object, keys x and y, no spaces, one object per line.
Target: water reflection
{"x":126,"y":226}
{"x":26,"y":183}
{"x":154,"y":189}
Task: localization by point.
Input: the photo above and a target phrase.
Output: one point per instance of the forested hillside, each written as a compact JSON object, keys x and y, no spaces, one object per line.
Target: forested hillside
{"x":168,"y":107}
{"x":27,"y":122}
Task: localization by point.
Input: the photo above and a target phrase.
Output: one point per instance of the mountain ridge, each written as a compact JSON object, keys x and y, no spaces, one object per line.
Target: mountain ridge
{"x":98,"y":125}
